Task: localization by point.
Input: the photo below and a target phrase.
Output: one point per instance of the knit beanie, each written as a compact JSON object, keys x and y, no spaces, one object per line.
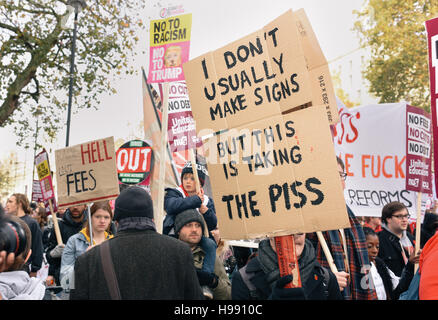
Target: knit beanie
{"x":133,"y":202}
{"x":189,"y":215}
{"x":202,"y":171}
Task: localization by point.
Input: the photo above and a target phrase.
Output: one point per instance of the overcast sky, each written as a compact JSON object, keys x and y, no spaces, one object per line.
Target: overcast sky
{"x":215,"y":23}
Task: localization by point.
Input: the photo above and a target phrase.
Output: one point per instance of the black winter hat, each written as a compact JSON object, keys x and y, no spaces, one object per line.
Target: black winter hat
{"x":202,"y":171}
{"x":187,"y":216}
{"x":133,"y":202}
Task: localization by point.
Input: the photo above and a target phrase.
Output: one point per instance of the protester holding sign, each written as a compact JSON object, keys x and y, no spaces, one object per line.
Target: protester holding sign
{"x":354,"y":266}
{"x":72,"y":222}
{"x":260,"y":278}
{"x":101,"y":216}
{"x":18,"y":205}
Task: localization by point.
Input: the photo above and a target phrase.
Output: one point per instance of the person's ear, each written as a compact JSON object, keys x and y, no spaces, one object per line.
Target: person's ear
{"x":28,"y":255}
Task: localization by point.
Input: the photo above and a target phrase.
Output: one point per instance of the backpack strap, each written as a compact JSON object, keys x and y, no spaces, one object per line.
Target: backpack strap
{"x":108,"y":271}
{"x":246,"y":279}
{"x":325,"y":280}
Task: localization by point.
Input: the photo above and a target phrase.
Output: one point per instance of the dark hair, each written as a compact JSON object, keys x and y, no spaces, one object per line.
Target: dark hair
{"x":22,"y":199}
{"x":389,"y":209}
{"x":42,"y":217}
{"x":369,"y":232}
{"x":340,"y":162}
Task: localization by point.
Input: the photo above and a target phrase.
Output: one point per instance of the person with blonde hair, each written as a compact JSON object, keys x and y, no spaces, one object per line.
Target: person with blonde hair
{"x":101,"y":216}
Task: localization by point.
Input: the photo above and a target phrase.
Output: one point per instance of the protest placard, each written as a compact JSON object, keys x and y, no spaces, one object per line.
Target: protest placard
{"x":181,"y":126}
{"x":134,"y":162}
{"x":273,"y":171}
{"x":418,"y":150}
{"x":44,"y":175}
{"x":276,"y":176}
{"x":86,"y":173}
{"x":259,"y":76}
{"x":169,"y":48}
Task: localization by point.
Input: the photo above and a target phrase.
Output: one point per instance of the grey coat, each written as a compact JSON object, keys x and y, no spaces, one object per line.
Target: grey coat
{"x":148,"y":266}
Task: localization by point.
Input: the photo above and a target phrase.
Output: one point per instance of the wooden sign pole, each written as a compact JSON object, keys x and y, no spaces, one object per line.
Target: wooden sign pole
{"x":418,"y":228}
{"x":90,"y":224}
{"x":326,"y":250}
{"x":55,"y":223}
{"x":164,"y":124}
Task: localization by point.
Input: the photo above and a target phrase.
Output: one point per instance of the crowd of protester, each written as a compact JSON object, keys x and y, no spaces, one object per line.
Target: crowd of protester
{"x":104,"y":253}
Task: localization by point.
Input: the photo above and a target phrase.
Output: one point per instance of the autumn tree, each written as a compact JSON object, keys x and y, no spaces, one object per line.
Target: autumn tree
{"x":35,"y":49}
{"x":394,"y":30}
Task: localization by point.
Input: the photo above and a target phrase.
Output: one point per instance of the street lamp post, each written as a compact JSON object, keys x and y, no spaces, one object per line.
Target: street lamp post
{"x":78,"y":5}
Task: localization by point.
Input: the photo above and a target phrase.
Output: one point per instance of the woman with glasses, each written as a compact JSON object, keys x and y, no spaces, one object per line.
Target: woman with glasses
{"x":396,"y":244}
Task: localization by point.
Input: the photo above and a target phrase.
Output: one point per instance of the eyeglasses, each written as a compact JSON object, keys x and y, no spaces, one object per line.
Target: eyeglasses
{"x":402,"y":216}
{"x":343,"y":175}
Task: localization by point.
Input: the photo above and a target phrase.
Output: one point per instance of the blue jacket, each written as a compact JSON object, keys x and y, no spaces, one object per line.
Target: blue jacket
{"x":76,"y":246}
{"x":175,"y":202}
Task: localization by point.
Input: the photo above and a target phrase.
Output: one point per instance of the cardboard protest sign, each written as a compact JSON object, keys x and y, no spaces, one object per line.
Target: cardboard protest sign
{"x":134,"y":162}
{"x":432,"y":44}
{"x":276,"y":176}
{"x":181,"y":127}
{"x":44,"y":175}
{"x":86,"y":173}
{"x":263,"y":74}
{"x":418,"y":150}
{"x":169,"y":48}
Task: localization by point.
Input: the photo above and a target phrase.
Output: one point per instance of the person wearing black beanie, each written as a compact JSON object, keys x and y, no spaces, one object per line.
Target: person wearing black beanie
{"x":147,"y":265}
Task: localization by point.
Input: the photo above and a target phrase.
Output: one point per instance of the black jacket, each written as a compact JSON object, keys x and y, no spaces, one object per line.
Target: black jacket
{"x":403,"y":284}
{"x":147,"y":265}
{"x":36,"y":258}
{"x":67,"y":228}
{"x":314,"y":288}
{"x":390,"y":251}
{"x":175,"y":203}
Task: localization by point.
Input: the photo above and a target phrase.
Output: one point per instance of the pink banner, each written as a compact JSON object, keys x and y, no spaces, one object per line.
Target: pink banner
{"x":432,"y":42}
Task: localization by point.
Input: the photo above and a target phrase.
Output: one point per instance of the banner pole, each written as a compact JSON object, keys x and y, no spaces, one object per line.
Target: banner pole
{"x":326,"y":250}
{"x":418,"y":228}
{"x":55,"y":223}
{"x":90,"y":224}
{"x":165,"y":120}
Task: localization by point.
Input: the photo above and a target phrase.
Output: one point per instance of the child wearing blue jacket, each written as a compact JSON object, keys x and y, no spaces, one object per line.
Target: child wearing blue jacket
{"x":185,"y":197}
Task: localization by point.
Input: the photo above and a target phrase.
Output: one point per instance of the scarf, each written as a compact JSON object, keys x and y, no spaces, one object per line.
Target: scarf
{"x":136,"y":223}
{"x":269,"y":262}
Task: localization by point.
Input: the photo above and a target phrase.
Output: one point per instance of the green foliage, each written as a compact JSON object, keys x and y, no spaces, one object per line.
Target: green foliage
{"x":395,"y":32}
{"x":35,"y":49}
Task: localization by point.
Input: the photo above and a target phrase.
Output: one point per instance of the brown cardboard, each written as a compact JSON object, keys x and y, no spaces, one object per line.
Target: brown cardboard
{"x":322,"y":86}
{"x":317,"y":161}
{"x":272,"y":74}
{"x":303,"y":114}
{"x":86,"y":173}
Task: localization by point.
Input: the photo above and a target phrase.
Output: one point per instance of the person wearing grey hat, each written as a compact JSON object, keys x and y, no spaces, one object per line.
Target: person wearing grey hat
{"x":146,"y":264}
{"x":189,"y":227}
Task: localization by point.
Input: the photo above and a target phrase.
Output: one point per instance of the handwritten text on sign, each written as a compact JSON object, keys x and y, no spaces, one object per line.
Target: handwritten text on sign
{"x":276,"y":176}
{"x":87,"y":172}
